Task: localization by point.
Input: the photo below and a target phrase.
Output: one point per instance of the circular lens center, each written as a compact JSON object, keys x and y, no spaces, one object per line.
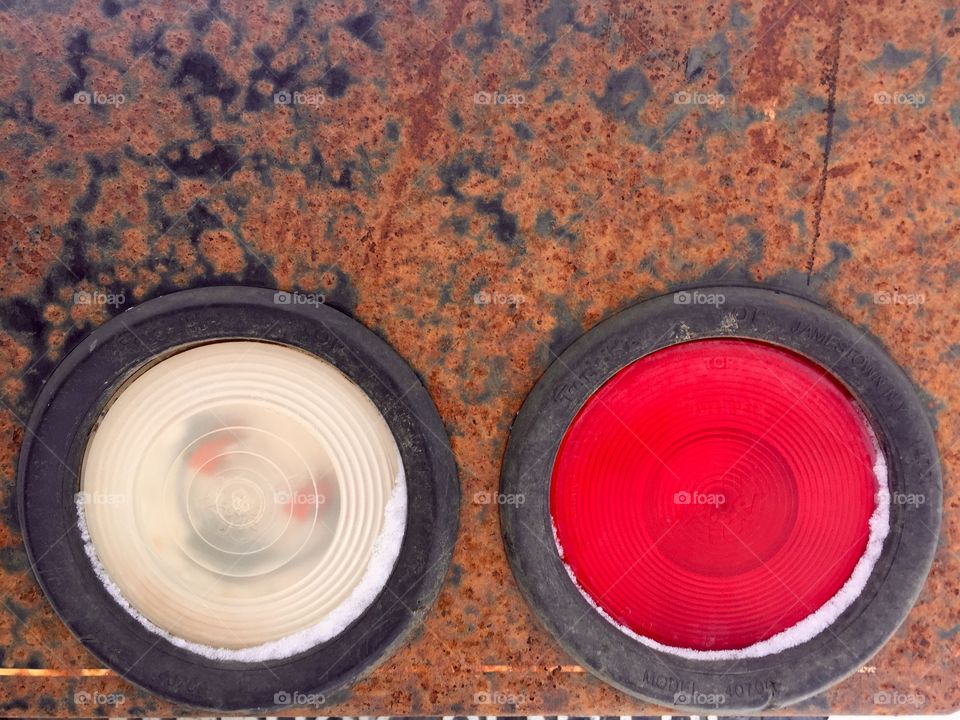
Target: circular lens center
{"x":239,"y":504}
{"x":716,"y":487}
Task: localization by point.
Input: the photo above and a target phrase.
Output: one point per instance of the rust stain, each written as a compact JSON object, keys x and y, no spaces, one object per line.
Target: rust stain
{"x":36,"y":672}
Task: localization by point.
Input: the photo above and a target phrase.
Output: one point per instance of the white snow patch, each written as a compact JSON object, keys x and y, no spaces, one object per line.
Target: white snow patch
{"x":683,"y":332}
{"x":813,"y":624}
{"x":386,"y":549}
{"x":728,"y":323}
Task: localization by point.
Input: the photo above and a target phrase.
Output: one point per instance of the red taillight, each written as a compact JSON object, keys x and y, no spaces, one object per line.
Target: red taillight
{"x":715,"y":493}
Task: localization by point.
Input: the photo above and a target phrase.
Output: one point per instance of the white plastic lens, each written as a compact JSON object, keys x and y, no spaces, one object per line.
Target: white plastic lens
{"x":243,"y":499}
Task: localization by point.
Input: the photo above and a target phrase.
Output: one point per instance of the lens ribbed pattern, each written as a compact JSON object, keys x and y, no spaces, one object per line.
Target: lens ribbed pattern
{"x":713,"y":494}
{"x":235,"y":491}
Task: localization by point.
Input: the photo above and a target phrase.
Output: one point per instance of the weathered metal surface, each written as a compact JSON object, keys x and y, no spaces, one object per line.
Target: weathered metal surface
{"x":478,"y":182}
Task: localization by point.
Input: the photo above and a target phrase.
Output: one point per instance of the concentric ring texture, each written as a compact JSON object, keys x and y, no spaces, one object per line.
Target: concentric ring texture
{"x":720,"y":495}
{"x":239,"y":493}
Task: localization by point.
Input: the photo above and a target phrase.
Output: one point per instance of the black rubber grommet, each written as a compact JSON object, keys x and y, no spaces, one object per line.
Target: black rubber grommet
{"x":49,"y":469}
{"x":727,"y":686}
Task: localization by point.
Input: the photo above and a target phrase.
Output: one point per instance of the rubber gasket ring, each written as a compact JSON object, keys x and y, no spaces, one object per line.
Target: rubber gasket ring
{"x":857,"y":361}
{"x":49,"y":467}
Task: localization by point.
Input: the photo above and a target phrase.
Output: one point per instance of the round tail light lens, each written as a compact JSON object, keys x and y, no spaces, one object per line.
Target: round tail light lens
{"x":720,"y":495}
{"x":244,"y":498}
{"x":235,"y":500}
{"x":731,"y":498}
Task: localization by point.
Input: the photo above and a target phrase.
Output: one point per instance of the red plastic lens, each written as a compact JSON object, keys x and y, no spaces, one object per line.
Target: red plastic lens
{"x":715,"y":493}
